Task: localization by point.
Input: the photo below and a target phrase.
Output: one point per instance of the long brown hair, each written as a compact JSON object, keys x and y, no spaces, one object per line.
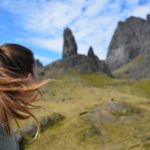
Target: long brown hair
{"x":17,"y":91}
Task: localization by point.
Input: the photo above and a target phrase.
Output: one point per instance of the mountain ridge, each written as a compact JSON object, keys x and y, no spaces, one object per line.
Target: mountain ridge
{"x":129,"y":41}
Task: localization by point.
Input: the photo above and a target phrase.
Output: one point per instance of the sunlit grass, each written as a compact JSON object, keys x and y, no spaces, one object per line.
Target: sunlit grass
{"x":142,"y":88}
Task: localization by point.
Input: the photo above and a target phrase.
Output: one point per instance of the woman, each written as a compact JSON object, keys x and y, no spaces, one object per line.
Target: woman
{"x":19,"y":87}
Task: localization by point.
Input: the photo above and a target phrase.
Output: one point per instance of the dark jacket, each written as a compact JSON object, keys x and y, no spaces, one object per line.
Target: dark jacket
{"x":8,"y":143}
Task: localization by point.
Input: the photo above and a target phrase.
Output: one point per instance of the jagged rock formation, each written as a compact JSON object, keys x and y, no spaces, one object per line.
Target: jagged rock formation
{"x":69,"y":46}
{"x":91,"y":53}
{"x":79,"y":62}
{"x":131,"y":38}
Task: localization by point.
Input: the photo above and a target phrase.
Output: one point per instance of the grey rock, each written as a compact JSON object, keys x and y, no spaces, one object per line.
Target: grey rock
{"x":91,"y":53}
{"x":69,"y":45}
{"x":81,"y":63}
{"x":148,"y":19}
{"x":121,"y":108}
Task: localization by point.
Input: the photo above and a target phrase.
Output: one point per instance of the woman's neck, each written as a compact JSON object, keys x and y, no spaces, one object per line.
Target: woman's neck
{"x":1,"y":121}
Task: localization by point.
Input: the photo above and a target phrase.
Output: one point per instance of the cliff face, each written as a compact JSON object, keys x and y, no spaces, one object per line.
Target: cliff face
{"x":131,"y":39}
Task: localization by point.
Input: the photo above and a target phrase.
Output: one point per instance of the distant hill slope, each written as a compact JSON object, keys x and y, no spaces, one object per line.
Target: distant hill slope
{"x":138,"y":68}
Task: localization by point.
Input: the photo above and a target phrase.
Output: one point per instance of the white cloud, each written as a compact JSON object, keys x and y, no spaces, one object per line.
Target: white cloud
{"x":92,"y":21}
{"x":51,"y":44}
{"x":142,"y":11}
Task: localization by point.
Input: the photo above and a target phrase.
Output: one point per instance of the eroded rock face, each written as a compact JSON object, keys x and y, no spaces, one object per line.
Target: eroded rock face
{"x":69,"y":45}
{"x":131,"y":38}
{"x":91,"y":52}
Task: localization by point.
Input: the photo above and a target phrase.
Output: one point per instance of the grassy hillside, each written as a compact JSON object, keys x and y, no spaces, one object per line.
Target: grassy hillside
{"x":123,"y":71}
{"x":100,"y":113}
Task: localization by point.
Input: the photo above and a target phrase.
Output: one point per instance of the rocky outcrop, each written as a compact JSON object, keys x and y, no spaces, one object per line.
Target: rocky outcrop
{"x":69,"y":45}
{"x":71,"y":59}
{"x":131,"y":39}
{"x":91,"y":52}
{"x":80,"y":63}
{"x":29,"y":130}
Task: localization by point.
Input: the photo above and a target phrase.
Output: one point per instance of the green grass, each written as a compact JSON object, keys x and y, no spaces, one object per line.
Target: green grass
{"x":95,"y":79}
{"x":142,"y":88}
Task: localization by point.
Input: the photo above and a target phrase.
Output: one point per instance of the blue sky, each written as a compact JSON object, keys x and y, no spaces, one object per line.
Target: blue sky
{"x":39,"y":24}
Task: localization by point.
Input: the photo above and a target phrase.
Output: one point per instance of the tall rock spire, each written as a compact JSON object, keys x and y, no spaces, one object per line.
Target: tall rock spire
{"x":69,"y":45}
{"x":91,"y":52}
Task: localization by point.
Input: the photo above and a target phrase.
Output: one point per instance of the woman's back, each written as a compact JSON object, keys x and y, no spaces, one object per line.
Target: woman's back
{"x":8,"y":143}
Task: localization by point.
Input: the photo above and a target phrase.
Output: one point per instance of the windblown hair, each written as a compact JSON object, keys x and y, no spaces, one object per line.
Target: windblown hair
{"x":17,"y":91}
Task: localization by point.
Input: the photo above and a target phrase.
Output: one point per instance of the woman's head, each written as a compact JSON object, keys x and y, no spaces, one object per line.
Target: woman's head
{"x":17,"y":91}
{"x":18,"y":59}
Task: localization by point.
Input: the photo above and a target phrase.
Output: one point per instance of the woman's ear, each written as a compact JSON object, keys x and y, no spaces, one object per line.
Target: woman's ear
{"x":35,"y":73}
{"x":30,"y":76}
